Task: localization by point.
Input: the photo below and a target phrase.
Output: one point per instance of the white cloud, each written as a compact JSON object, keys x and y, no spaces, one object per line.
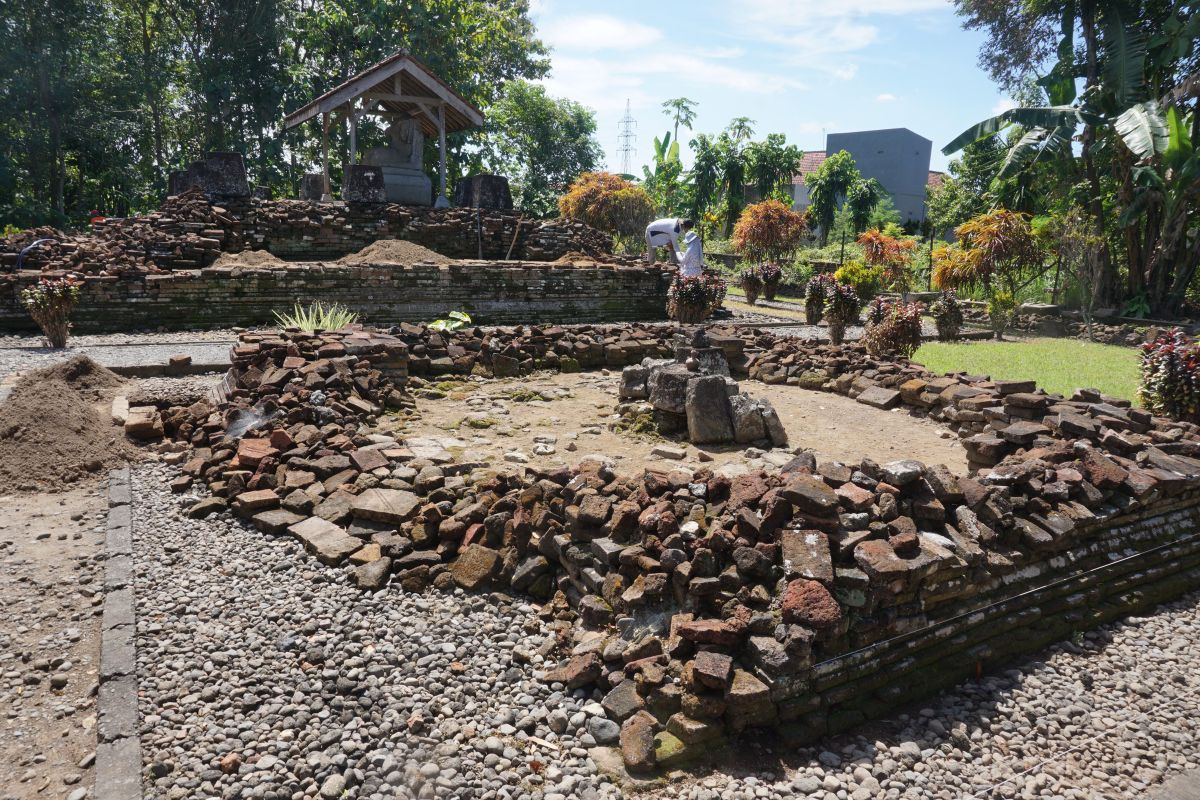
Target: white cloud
{"x":815,"y":28}
{"x":886,"y":97}
{"x":1002,"y":105}
{"x":846,"y":72}
{"x":604,"y":84}
{"x":592,"y":32}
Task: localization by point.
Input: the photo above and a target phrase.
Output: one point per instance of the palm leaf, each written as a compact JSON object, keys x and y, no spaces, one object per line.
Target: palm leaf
{"x":1028,"y":116}
{"x":1124,"y":60}
{"x":1179,"y":144}
{"x":1034,"y":144}
{"x":1143,"y":129}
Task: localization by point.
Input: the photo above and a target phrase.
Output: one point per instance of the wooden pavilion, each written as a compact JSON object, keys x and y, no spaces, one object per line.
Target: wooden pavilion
{"x":398,"y":86}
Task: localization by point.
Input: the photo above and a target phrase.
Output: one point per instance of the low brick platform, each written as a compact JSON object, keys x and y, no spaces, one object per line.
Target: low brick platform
{"x":491,"y":292}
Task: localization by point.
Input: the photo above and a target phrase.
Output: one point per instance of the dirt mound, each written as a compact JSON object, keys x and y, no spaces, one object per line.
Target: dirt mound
{"x":248,"y":258}
{"x":55,"y":428}
{"x":577,"y":259}
{"x":395,"y":251}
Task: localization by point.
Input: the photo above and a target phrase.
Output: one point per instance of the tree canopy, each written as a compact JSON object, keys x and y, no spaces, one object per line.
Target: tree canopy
{"x":103,"y":99}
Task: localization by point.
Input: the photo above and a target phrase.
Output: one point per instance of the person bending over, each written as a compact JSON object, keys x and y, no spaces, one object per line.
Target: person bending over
{"x":663,"y":233}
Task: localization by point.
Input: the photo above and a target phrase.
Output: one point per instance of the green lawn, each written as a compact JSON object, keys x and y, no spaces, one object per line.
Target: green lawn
{"x":1058,"y":365}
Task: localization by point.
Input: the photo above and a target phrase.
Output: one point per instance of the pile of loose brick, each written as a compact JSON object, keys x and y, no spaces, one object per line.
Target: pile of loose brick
{"x":188,"y":232}
{"x":191,"y":230}
{"x":701,"y":603}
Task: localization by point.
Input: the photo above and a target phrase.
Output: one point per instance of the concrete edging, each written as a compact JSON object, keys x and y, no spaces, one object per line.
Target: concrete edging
{"x":118,"y":748}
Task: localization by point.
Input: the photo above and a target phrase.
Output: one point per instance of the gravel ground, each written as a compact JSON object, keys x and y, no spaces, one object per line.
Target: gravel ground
{"x":1108,"y":716}
{"x":23,"y":353}
{"x":253,"y":656}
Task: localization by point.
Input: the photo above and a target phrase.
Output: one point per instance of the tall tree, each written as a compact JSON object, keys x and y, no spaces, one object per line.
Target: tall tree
{"x":681,"y":111}
{"x":828,"y":186}
{"x":771,"y":164}
{"x":540,"y":142}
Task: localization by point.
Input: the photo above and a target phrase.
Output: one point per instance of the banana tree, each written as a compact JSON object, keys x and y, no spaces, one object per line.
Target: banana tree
{"x":667,"y":183}
{"x":1125,"y":69}
{"x":1164,"y":204}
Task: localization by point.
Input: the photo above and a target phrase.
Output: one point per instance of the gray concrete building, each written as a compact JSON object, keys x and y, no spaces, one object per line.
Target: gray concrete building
{"x":896,"y":157}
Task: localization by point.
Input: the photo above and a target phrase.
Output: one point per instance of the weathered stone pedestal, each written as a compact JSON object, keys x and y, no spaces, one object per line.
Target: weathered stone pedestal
{"x":407,"y":187}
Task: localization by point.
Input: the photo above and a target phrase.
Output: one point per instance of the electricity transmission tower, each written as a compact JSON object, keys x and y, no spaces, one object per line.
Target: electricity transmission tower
{"x":627,"y":138}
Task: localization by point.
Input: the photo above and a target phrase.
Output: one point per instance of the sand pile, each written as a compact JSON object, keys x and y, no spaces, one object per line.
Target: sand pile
{"x":55,"y":427}
{"x":395,"y":251}
{"x":248,"y":258}
{"x":577,"y":259}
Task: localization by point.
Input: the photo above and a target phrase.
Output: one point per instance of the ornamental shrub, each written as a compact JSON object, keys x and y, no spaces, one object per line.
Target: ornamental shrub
{"x":608,"y":202}
{"x":769,"y":231}
{"x":815,"y":292}
{"x":877,"y":310}
{"x":50,"y":303}
{"x":1170,"y":383}
{"x":898,"y":333}
{"x":752,"y":284}
{"x":947,"y":315}
{"x":842,"y":306}
{"x":700,"y":293}
{"x":864,"y":279}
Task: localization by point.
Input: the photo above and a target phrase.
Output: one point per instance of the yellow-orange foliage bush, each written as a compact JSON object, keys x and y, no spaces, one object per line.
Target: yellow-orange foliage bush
{"x":769,"y":231}
{"x":608,"y":202}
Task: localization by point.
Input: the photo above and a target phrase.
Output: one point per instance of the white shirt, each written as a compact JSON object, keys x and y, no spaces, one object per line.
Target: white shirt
{"x":659,"y":232}
{"x":691,"y":260}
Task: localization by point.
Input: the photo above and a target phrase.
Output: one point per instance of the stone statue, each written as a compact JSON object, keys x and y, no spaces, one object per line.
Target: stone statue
{"x":404,"y":180}
{"x":407,"y":148}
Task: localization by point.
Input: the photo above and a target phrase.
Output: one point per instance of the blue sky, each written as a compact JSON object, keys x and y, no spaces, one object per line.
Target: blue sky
{"x":799,"y":67}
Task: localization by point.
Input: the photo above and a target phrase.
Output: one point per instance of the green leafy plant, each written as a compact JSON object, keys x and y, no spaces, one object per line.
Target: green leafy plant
{"x":898,"y":333}
{"x":317,"y":316}
{"x":1138,"y":306}
{"x":1170,"y":383}
{"x":864,"y":279}
{"x":1001,"y":306}
{"x":50,"y":303}
{"x":947,"y":315}
{"x":453,"y":321}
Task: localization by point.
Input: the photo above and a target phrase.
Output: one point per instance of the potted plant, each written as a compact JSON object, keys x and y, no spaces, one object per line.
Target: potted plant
{"x":50,"y":303}
{"x":814,"y":297}
{"x":752,"y":285}
{"x":771,"y":274}
{"x":947,"y":315}
{"x":841,"y":309}
{"x":690,"y":300}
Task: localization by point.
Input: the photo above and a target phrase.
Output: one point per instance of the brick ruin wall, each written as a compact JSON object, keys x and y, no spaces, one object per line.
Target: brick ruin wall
{"x":154,"y":270}
{"x":491,"y":292}
{"x":808,"y":599}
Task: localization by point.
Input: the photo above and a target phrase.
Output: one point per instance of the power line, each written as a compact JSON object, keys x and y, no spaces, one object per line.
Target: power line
{"x":627,"y":137}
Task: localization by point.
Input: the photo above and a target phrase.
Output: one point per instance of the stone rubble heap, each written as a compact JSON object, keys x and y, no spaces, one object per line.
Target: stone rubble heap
{"x":699,"y":398}
{"x":189,"y":232}
{"x":711,"y":602}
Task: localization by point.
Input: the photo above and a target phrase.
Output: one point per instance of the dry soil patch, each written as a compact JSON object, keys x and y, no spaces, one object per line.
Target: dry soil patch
{"x":55,"y":427}
{"x":50,"y":601}
{"x":495,"y":417}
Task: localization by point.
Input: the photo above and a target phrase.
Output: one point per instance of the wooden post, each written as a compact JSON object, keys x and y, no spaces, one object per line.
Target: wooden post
{"x":442,"y":201}
{"x":326,"y":192}
{"x":354,"y":112}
